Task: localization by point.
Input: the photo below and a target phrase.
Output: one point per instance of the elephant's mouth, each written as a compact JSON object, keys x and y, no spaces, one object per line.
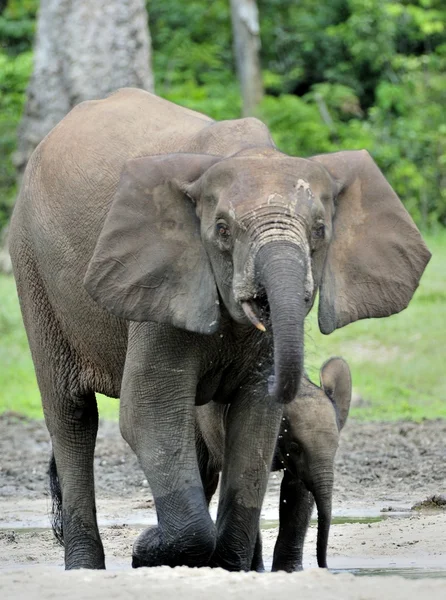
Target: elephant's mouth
{"x":257,"y":310}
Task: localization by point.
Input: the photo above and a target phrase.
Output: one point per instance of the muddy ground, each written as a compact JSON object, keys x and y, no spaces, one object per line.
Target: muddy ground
{"x":382,"y":469}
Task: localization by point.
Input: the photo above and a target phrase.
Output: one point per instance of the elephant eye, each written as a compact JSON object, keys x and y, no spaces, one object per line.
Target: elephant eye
{"x":222,"y":229}
{"x":319,"y":232}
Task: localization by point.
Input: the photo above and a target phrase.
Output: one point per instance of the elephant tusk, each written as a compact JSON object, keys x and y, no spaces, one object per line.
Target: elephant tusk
{"x":249,"y":312}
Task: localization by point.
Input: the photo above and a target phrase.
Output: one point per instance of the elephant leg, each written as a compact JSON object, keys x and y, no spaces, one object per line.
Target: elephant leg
{"x":209,"y":473}
{"x":71,"y":416}
{"x":296,"y":506}
{"x":257,"y":559}
{"x":252,"y":427}
{"x":157,"y":419}
{"x":73,"y":423}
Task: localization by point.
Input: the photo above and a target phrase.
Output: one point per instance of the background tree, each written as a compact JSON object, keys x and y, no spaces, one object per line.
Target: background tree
{"x":246,"y":33}
{"x":84,"y":49}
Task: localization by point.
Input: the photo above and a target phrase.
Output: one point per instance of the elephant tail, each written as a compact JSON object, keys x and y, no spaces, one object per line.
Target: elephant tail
{"x":56,"y":498}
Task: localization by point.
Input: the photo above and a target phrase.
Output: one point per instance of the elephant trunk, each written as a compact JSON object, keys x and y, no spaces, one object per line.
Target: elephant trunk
{"x":281,"y":270}
{"x":323,"y":492}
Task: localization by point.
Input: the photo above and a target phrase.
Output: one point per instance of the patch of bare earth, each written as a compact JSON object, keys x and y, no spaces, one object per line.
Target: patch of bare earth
{"x":380,"y":466}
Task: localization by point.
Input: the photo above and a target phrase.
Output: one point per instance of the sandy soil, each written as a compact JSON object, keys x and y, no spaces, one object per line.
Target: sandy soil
{"x":204,"y":584}
{"x":380,"y":466}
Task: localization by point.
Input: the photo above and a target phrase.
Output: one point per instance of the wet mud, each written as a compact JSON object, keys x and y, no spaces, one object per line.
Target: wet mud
{"x":382,"y":471}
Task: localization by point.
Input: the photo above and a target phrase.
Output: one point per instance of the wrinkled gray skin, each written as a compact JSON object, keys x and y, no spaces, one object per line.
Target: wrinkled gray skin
{"x":140,"y":229}
{"x":306,"y":448}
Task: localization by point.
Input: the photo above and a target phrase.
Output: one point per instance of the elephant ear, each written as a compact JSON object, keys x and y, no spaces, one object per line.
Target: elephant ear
{"x":149,"y":263}
{"x":376,"y":256}
{"x":336,"y":381}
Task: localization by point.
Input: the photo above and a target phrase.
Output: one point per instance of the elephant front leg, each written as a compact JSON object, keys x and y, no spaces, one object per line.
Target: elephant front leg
{"x":158,"y":421}
{"x":251,"y":433}
{"x":296,"y":506}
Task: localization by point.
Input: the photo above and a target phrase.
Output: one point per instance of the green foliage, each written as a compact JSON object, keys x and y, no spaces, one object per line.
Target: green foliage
{"x":338,"y":74}
{"x":397,"y":363}
{"x":295,"y":44}
{"x":191,"y":43}
{"x":410,"y":136}
{"x":296,"y":125}
{"x":17,"y":25}
{"x":14,"y":75}
{"x":217,"y":101}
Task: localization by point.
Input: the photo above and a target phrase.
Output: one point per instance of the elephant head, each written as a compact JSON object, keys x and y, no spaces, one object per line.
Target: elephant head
{"x":194,"y":239}
{"x":307,"y":447}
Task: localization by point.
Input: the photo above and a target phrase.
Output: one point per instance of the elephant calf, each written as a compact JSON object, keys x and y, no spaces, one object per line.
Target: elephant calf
{"x":305,"y":450}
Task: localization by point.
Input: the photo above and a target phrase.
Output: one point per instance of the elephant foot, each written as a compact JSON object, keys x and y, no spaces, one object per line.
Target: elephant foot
{"x":154,"y":548}
{"x":85,"y":564}
{"x":81,"y":552}
{"x":232,"y":558}
{"x":287,"y":567}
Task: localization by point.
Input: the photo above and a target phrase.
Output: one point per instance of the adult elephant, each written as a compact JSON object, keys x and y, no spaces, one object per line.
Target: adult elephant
{"x":145,"y":239}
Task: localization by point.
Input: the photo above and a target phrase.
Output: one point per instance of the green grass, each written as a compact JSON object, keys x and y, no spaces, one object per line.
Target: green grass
{"x":18,"y":386}
{"x":398,"y":363}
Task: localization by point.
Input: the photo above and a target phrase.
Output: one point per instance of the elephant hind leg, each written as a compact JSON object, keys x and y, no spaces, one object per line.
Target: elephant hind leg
{"x":56,"y":500}
{"x":71,"y":417}
{"x":73,"y":428}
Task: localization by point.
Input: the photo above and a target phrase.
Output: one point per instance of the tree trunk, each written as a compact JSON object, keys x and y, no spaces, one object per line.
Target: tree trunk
{"x":246,"y":32}
{"x":84,"y":50}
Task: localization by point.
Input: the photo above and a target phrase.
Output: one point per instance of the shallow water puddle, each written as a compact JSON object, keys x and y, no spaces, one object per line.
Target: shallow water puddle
{"x":36,"y":514}
{"x":410,"y":573}
{"x":272,"y":524}
{"x":18,"y":529}
{"x":427,"y":567}
{"x":139,"y":519}
{"x":342,"y":520}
